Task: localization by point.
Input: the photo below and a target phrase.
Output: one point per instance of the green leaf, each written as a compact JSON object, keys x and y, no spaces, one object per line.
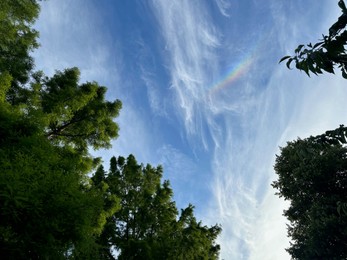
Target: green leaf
{"x":309,"y":63}
{"x":284,"y":58}
{"x":319,"y":71}
{"x":305,"y":68}
{"x":342,"y":5}
{"x":317,"y":44}
{"x":344,"y":74}
{"x":298,"y":49}
{"x":328,"y":67}
{"x":288,"y":63}
{"x":298,"y":65}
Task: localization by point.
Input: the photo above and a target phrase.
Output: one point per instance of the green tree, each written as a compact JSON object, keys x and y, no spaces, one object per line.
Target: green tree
{"x":193,"y":241}
{"x":148,"y":225}
{"x":74,"y":114}
{"x":326,"y":54}
{"x":17,"y":40}
{"x":44,"y":212}
{"x":49,"y":207}
{"x":312,"y":175}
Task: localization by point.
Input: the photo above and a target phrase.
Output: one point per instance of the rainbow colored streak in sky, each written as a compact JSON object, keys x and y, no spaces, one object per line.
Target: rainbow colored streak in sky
{"x":236,"y":72}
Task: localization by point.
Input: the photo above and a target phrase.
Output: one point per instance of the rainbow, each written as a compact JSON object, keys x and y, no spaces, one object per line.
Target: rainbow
{"x":234,"y":73}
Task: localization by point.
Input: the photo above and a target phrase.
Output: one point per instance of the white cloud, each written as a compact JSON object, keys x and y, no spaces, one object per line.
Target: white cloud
{"x":250,"y":213}
{"x":290,"y":105}
{"x":178,"y":165}
{"x":190,"y":39}
{"x":244,"y":153}
{"x":159,"y":103}
{"x":224,"y":6}
{"x":243,"y":173}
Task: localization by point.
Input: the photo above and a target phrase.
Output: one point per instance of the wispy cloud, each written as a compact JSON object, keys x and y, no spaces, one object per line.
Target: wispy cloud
{"x":190,"y":38}
{"x":290,"y":105}
{"x":224,"y":6}
{"x":243,"y":149}
{"x":158,"y":101}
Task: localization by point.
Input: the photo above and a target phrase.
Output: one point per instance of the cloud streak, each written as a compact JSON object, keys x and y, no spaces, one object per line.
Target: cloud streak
{"x":191,"y":40}
{"x":224,"y":7}
{"x":291,"y":105}
{"x":246,"y":122}
{"x":243,"y":157}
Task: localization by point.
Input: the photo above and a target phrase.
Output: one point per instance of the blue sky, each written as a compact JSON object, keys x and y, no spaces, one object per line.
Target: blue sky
{"x":204,"y":96}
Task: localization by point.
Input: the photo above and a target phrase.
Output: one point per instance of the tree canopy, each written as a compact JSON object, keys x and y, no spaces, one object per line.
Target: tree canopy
{"x":44,"y":211}
{"x":148,"y":225}
{"x":47,"y":124}
{"x":17,"y":40}
{"x":312,"y":175}
{"x":327,"y":54}
{"x":74,"y":114}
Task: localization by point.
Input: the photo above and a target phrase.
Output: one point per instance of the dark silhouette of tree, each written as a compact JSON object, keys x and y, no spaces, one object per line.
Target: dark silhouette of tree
{"x":312,"y":175}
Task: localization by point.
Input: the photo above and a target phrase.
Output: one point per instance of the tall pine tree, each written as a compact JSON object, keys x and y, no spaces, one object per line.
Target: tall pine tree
{"x":148,"y":225}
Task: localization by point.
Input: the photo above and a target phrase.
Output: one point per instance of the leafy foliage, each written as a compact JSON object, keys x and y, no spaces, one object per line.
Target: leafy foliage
{"x":17,"y":39}
{"x":48,"y":206}
{"x":75,"y":114}
{"x":312,"y":175}
{"x":326,"y":54}
{"x":43,"y":209}
{"x":147,"y":225}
